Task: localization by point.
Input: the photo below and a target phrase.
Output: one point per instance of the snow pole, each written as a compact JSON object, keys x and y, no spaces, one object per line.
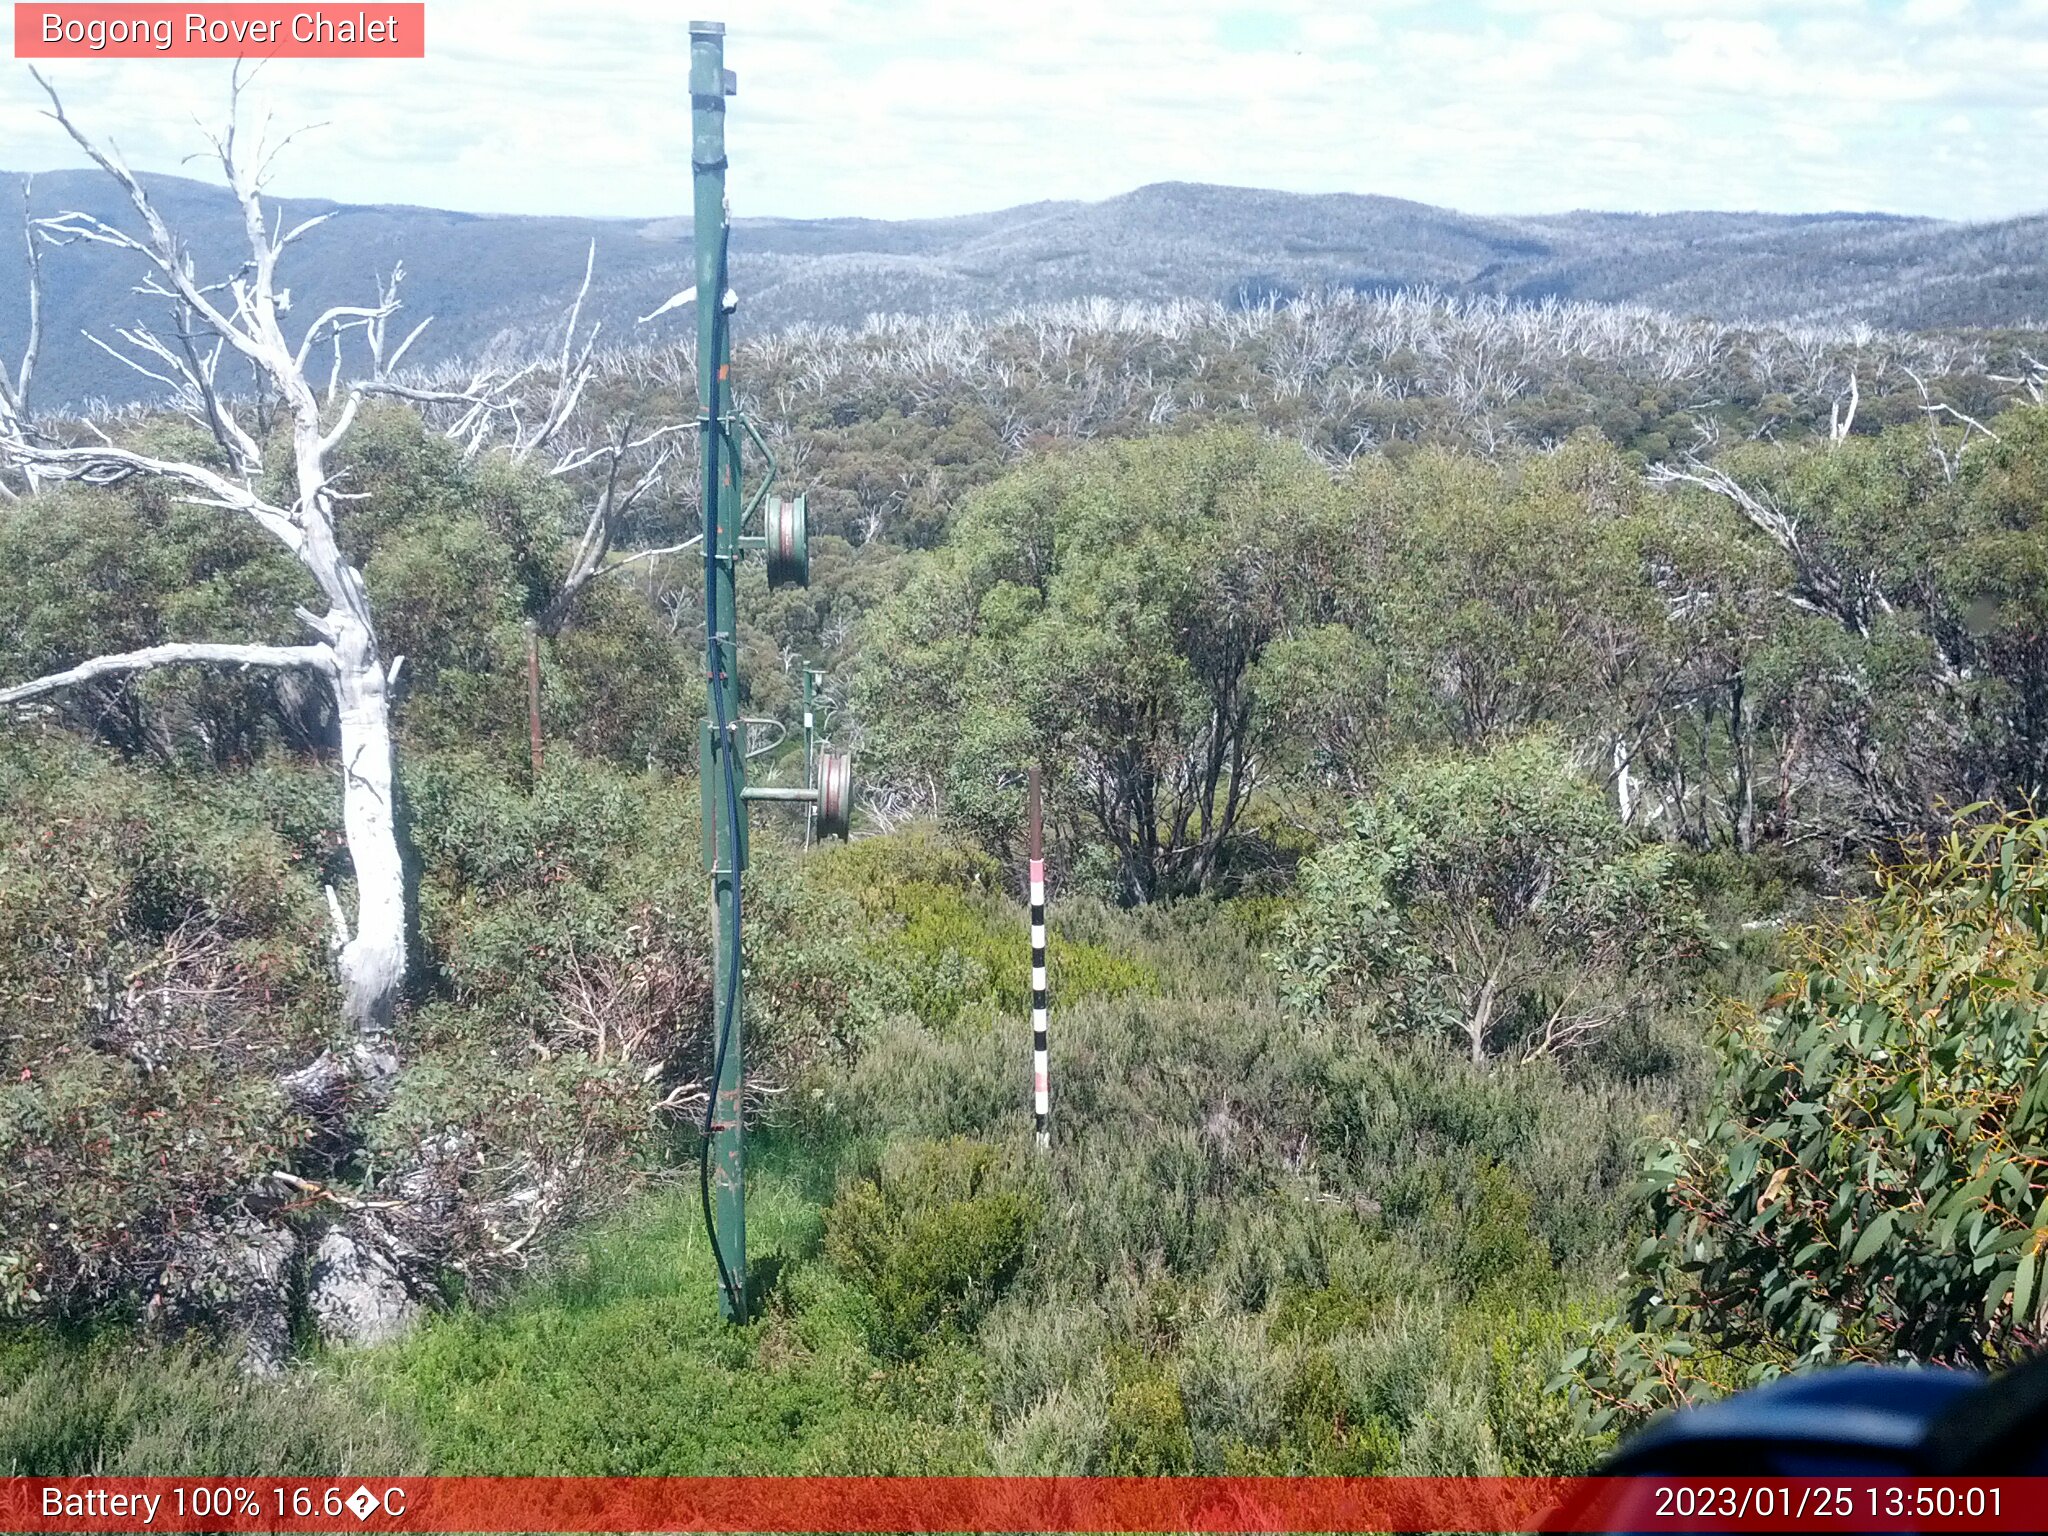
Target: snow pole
{"x":1041,"y":1097}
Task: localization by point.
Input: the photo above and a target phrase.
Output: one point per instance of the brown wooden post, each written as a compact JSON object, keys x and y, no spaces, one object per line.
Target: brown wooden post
{"x":533,"y":694}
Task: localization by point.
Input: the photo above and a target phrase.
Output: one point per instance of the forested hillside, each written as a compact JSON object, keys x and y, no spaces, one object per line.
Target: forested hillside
{"x":1508,"y":765}
{"x":492,"y":283}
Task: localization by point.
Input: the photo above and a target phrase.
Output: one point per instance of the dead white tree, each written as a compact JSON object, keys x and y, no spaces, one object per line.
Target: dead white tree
{"x":1829,"y":580}
{"x":1934,"y":410}
{"x":620,"y":489}
{"x":1820,"y":585}
{"x":624,"y":464}
{"x":14,"y":402}
{"x":242,"y":317}
{"x":2034,"y":381}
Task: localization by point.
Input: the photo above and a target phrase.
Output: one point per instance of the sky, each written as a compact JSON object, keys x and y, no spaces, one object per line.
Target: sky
{"x":931,"y":107}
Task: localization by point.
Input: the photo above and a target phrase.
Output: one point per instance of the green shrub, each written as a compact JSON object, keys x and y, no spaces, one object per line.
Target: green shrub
{"x":1146,"y":1434}
{"x":1038,"y":1346}
{"x":162,"y":959}
{"x":1231,"y":1378}
{"x":1872,"y":1187}
{"x":1494,"y":1244}
{"x":1059,"y":1436}
{"x":872,"y":869}
{"x":933,"y":1237}
{"x":941,"y":937}
{"x":1329,"y":1438}
{"x":1533,"y":1424}
{"x":86,"y":572}
{"x":1314,"y":1315}
{"x":1493,"y":901}
{"x":1143,"y":1198}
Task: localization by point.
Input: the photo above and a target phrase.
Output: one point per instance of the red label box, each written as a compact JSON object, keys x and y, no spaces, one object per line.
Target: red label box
{"x":259,"y":30}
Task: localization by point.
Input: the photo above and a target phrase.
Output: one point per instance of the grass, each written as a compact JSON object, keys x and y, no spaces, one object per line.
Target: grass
{"x":109,"y":1405}
{"x":618,"y":1363}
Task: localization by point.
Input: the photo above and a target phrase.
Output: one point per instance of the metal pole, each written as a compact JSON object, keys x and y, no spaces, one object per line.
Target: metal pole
{"x":807,"y":795}
{"x":810,"y":751}
{"x":1041,"y":1096}
{"x":722,"y":756}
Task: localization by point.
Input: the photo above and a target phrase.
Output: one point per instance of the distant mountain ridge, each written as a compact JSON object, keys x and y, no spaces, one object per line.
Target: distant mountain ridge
{"x":503,"y":280}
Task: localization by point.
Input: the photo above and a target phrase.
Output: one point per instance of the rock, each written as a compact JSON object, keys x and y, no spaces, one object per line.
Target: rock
{"x":320,"y":1087}
{"x":355,"y":1294}
{"x":266,"y":1320}
{"x":235,"y":1273}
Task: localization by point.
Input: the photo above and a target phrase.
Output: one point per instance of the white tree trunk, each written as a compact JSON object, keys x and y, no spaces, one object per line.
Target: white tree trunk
{"x":372,"y":959}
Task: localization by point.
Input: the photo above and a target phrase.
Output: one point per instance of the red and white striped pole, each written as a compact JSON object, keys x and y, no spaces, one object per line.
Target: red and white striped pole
{"x":1041,"y":1097}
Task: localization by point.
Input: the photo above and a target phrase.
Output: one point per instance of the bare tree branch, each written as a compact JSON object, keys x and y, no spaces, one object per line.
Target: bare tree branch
{"x":105,"y":464}
{"x":1935,"y":410}
{"x":161,"y":248}
{"x":650,"y":554}
{"x":317,"y":657}
{"x":1840,"y":421}
{"x":1850,"y":597}
{"x":612,"y":502}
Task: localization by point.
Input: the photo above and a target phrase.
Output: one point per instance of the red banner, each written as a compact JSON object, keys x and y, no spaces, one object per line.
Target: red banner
{"x":1002,"y":1504}
{"x":217,"y":31}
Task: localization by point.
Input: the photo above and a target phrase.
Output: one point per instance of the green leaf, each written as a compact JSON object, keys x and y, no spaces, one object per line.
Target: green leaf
{"x":1994,"y":1297}
{"x":1873,"y":1237}
{"x":2023,"y":1286}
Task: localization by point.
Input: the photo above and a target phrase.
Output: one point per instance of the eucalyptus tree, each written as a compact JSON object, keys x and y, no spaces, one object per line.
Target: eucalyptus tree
{"x":1491,"y":900}
{"x":1105,"y":611}
{"x":1864,"y":1187}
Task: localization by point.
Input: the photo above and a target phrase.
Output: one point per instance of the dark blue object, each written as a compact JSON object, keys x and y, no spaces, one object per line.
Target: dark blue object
{"x":1858,"y":1421}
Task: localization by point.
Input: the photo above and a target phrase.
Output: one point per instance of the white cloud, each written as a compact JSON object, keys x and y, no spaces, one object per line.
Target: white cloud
{"x":924,"y":107}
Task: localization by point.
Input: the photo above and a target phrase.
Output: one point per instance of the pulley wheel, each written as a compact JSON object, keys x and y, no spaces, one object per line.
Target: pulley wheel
{"x":835,"y":794}
{"x":788,"y":537}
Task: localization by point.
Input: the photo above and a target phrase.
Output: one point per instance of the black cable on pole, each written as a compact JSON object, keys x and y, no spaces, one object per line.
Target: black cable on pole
{"x":715,"y":671}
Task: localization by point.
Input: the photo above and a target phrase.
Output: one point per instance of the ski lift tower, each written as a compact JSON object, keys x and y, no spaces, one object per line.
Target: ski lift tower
{"x":724,"y":749}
